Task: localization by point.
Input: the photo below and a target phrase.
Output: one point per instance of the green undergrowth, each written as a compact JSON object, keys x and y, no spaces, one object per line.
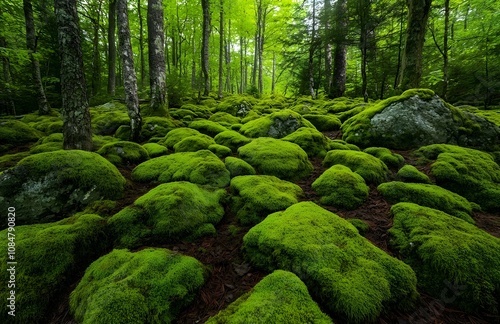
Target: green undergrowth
{"x":280,"y":297}
{"x":124,"y":152}
{"x":148,"y":286}
{"x":452,"y":258}
{"x":372,"y":169}
{"x":349,"y":276}
{"x":409,"y":173}
{"x":10,"y":160}
{"x":224,"y":118}
{"x":238,"y":167}
{"x":238,"y":106}
{"x":256,"y":196}
{"x":220,"y":150}
{"x":313,"y":142}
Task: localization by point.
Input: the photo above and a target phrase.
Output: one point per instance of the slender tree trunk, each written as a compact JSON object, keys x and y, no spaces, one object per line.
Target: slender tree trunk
{"x":96,"y":56}
{"x":6,"y":75}
{"x":445,"y":48}
{"x":411,"y":69}
{"x":156,"y":43}
{"x":340,"y":60}
{"x":112,"y":48}
{"x":273,"y":83}
{"x":261,"y":48}
{"x":193,"y":65}
{"x":43,"y":106}
{"x":205,"y":46}
{"x":242,"y":73}
{"x":245,"y":78}
{"x":221,"y":45}
{"x":228,"y":56}
{"x":141,"y":43}
{"x":328,"y":47}
{"x":398,"y":70}
{"x":129,"y":77}
{"x":258,"y":31}
{"x":311,"y":53}
{"x":77,"y":131}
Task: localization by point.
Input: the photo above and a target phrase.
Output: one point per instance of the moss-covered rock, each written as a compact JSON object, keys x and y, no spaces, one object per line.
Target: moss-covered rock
{"x":340,"y":187}
{"x":360,"y":225}
{"x":157,"y":127}
{"x":409,"y":173}
{"x":225,"y":118}
{"x":276,"y":125}
{"x":15,"y":132}
{"x":310,"y":140}
{"x":231,"y":139}
{"x":238,"y":106}
{"x":369,"y":167}
{"x":256,"y":196}
{"x":169,"y":212}
{"x":194,"y":143}
{"x":392,"y":160}
{"x":341,"y":145}
{"x":238,"y":167}
{"x":201,"y":167}
{"x":48,"y":186}
{"x":220,"y":150}
{"x":155,"y":150}
{"x":427,"y":195}
{"x":106,"y":121}
{"x":123,"y":133}
{"x":48,"y":256}
{"x":148,"y":286}
{"x":280,"y":297}
{"x":99,"y":141}
{"x":46,"y":147}
{"x":353,"y":278}
{"x":196,"y":111}
{"x":324,"y":123}
{"x":451,"y":257}
{"x":123,"y":152}
{"x":470,"y":173}
{"x":282,"y":159}
{"x":207,"y":127}
{"x":10,"y":160}
{"x":176,"y":135}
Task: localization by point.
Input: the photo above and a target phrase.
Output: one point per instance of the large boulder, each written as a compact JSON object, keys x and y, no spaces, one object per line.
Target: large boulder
{"x":276,"y":125}
{"x":418,"y":117}
{"x":48,"y":186}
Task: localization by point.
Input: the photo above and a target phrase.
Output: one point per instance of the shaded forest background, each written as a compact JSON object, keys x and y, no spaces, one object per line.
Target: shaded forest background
{"x":261,"y":47}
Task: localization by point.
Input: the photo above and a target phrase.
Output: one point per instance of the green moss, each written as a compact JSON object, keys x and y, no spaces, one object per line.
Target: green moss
{"x":360,"y":225}
{"x":451,"y":257}
{"x":313,"y":142}
{"x":48,"y":186}
{"x":48,"y":256}
{"x":223,"y":117}
{"x":340,"y":187}
{"x":10,"y":160}
{"x":238,"y":167}
{"x":124,"y":152}
{"x":409,"y":173}
{"x":207,"y":127}
{"x":197,"y":111}
{"x":252,"y":115}
{"x":392,"y":160}
{"x":236,"y":105}
{"x":236,"y":127}
{"x":470,"y":173}
{"x":202,"y":167}
{"x":256,"y":196}
{"x":176,"y":135}
{"x":123,"y":132}
{"x":102,"y":208}
{"x":157,"y":126}
{"x":342,"y":145}
{"x":354,"y":279}
{"x":47,"y":147}
{"x":55,"y":137}
{"x":155,"y":150}
{"x":282,"y":159}
{"x":324,"y":123}
{"x":99,"y":141}
{"x":353,"y":112}
{"x":171,"y":211}
{"x":369,"y":167}
{"x":14,"y":132}
{"x":194,"y":143}
{"x":428,"y":195}
{"x":107,"y":121}
{"x":276,"y":125}
{"x":220,"y":150}
{"x":280,"y":297}
{"x":231,"y":139}
{"x":148,"y":286}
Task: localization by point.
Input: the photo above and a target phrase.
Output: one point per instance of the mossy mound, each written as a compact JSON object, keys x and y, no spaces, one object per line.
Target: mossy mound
{"x":10,"y":160}
{"x":392,"y":160}
{"x":451,"y":257}
{"x":99,"y":141}
{"x":123,"y":152}
{"x":15,"y":132}
{"x":369,"y":167}
{"x":207,"y":127}
{"x":252,"y":115}
{"x":353,"y":278}
{"x":238,"y":106}
{"x":282,"y":159}
{"x":48,"y":186}
{"x":220,"y":150}
{"x":172,"y":211}
{"x":194,"y":143}
{"x":107,"y":121}
{"x":155,"y":150}
{"x":197,"y":111}
{"x":280,"y":297}
{"x":176,"y":135}
{"x":157,"y":127}
{"x":123,"y":133}
{"x":201,"y":167}
{"x":427,"y":195}
{"x":313,"y":142}
{"x":324,"y":123}
{"x":276,"y":125}
{"x":224,"y":118}
{"x":360,"y":225}
{"x":48,"y":256}
{"x":231,"y":139}
{"x":238,"y":167}
{"x":342,"y":145}
{"x":470,"y":173}
{"x":48,"y":125}
{"x":46,"y":147}
{"x":409,"y":173}
{"x":340,"y":187}
{"x":148,"y":286}
{"x":256,"y":196}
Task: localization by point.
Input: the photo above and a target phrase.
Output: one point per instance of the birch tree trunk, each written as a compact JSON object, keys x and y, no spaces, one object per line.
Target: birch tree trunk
{"x":205,"y":4}
{"x":156,"y":43}
{"x":328,"y":47}
{"x":221,"y":46}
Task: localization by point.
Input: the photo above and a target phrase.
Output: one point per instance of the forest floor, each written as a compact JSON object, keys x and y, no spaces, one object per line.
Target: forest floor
{"x":231,"y":276}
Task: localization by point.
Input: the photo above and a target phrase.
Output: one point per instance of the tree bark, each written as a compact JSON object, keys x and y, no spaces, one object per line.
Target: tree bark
{"x":398,"y":70}
{"x":6,"y":75}
{"x":273,"y":82}
{"x":261,"y":47}
{"x":112,"y":48}
{"x":328,"y":47}
{"x":411,"y":69}
{"x":227,"y":48}
{"x":156,"y":43}
{"x":128,"y":72}
{"x":242,"y":73}
{"x":445,"y":48}
{"x":311,"y":53}
{"x":96,"y":59}
{"x":221,"y":46}
{"x":43,"y":106}
{"x":205,"y":67}
{"x":141,"y":43}
{"x":77,"y":131}
{"x":340,"y":59}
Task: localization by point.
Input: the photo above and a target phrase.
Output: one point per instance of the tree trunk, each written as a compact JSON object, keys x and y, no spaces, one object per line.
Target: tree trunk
{"x":328,"y":47}
{"x":77,"y":131}
{"x":398,"y":70}
{"x":156,"y":43}
{"x":311,"y":53}
{"x":261,"y":47}
{"x":445,"y":48}
{"x":242,"y":73}
{"x":205,"y":46}
{"x":411,"y":69}
{"x":228,"y":56}
{"x":340,"y":59}
{"x":141,"y":43}
{"x":6,"y":74}
{"x":129,"y":77}
{"x":273,"y":82}
{"x":112,"y":48}
{"x":43,"y":106}
{"x":96,"y":56}
{"x":258,"y":30}
{"x":221,"y":45}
